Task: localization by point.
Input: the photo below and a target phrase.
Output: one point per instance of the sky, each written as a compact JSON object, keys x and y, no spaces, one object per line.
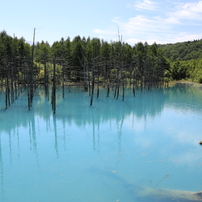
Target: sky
{"x":134,"y":20}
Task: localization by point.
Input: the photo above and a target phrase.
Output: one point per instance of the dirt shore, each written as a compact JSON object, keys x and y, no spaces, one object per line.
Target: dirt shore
{"x":172,"y":83}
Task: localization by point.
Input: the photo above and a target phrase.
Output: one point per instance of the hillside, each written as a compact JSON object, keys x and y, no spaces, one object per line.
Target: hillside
{"x":183,"y":50}
{"x":185,"y":60}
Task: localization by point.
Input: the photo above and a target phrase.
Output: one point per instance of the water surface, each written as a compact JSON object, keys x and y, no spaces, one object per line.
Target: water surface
{"x":106,"y":152}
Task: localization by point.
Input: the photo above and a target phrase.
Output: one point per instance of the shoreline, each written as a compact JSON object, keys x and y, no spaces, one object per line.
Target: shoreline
{"x":188,"y":83}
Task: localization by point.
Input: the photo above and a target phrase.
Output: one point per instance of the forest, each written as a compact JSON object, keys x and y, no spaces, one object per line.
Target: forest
{"x":93,"y":62}
{"x":185,"y":60}
{"x":90,"y":62}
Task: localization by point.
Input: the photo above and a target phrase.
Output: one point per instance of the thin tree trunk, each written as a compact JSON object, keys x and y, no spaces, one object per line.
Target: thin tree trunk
{"x":30,"y":77}
{"x":54,"y":89}
{"x":98,"y":88}
{"x":123,"y":91}
{"x":93,"y":83}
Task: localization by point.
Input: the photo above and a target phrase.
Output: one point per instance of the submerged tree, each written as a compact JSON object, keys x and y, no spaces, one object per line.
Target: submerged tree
{"x":89,"y":62}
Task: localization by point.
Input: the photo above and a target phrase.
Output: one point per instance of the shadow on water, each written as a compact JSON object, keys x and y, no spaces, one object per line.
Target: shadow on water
{"x":75,"y":108}
{"x":185,"y":96}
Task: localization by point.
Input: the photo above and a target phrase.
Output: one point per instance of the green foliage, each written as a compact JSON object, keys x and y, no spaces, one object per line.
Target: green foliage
{"x":12,"y":51}
{"x":49,"y":68}
{"x":42,"y":52}
{"x":185,"y":60}
{"x":183,"y":51}
{"x":116,"y":60}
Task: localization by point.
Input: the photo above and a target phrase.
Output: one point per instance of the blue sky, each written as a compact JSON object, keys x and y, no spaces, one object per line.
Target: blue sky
{"x":137,"y":20}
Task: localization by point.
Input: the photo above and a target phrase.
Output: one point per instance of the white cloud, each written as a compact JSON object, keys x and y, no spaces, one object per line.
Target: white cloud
{"x":109,"y":34}
{"x":183,"y":36}
{"x":156,"y":29}
{"x":100,"y":31}
{"x":133,"y":40}
{"x":172,"y":20}
{"x":195,"y":6}
{"x":145,"y":5}
{"x":142,"y":25}
{"x":171,"y":23}
{"x":188,"y":11}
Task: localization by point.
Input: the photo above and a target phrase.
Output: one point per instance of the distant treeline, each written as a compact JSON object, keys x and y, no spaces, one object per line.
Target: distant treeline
{"x":185,"y":60}
{"x":82,"y":59}
{"x":87,"y":59}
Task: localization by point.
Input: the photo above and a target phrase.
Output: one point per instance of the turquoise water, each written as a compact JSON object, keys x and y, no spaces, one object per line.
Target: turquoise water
{"x":103,"y":153}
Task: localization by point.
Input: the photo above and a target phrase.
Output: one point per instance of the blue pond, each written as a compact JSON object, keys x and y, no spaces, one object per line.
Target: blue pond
{"x":112,"y":151}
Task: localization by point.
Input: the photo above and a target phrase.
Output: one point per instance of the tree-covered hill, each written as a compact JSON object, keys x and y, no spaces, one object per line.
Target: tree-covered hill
{"x":183,"y":51}
{"x":185,"y":60}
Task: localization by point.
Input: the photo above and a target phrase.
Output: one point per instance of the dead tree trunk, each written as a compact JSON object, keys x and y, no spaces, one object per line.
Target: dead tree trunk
{"x":53,"y":101}
{"x":30,"y":77}
{"x":46,"y":80}
{"x":93,"y":83}
{"x":98,"y":83}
